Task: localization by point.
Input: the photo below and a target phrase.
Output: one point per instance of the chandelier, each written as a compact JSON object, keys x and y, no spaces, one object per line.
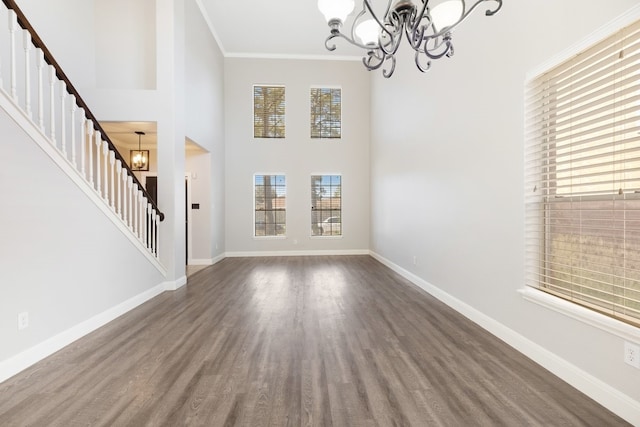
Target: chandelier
{"x":428,"y":29}
{"x":139,"y":157}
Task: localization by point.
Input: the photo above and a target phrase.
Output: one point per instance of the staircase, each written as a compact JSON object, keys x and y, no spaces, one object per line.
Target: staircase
{"x":37,"y":94}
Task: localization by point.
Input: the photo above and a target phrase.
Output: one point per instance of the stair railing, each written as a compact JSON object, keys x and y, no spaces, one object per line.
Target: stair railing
{"x":36,"y":82}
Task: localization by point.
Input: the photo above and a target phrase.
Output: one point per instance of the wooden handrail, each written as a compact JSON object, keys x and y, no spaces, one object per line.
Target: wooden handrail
{"x":48,"y":57}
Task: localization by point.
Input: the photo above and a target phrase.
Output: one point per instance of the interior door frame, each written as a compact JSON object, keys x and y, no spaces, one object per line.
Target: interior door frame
{"x":189,"y":218}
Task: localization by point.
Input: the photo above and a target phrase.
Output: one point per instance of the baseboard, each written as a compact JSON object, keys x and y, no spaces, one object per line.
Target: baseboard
{"x":200,"y":262}
{"x":297,"y":253}
{"x":601,"y":392}
{"x":22,"y":361}
{"x":208,"y":261}
{"x":175,"y":284}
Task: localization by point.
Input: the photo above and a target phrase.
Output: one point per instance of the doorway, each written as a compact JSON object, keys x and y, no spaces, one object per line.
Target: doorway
{"x":150,"y":181}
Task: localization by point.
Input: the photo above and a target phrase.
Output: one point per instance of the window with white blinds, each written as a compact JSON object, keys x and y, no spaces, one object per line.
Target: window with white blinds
{"x":326,"y":112}
{"x":268,"y":111}
{"x":582,"y":178}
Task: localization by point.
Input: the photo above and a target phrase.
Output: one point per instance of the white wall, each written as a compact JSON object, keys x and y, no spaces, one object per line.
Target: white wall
{"x":103,"y":44}
{"x":447,"y":176}
{"x":61,"y":259}
{"x":297,"y":156}
{"x":73,"y":44}
{"x":125,"y":39}
{"x":205,"y":126}
{"x":198,"y":166}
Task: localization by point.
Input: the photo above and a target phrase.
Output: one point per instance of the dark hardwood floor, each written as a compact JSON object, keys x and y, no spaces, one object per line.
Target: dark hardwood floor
{"x":297,"y":341}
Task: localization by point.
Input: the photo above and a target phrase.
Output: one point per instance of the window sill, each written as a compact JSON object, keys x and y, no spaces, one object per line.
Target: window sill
{"x":581,"y":314}
{"x":269,"y":237}
{"x":326,"y":237}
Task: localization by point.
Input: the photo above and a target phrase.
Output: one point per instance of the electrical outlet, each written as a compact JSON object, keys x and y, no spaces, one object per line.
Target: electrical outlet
{"x":632,"y":354}
{"x":415,"y":260}
{"x":23,"y":320}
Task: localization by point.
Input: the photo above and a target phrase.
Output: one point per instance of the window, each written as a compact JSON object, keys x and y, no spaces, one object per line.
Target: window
{"x":326,"y":112}
{"x":583,"y":178}
{"x":268,"y":112}
{"x":326,"y":205}
{"x":270,"y":205}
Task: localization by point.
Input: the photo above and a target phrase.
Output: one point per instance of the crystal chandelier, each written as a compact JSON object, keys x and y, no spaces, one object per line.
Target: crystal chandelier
{"x":428,"y":29}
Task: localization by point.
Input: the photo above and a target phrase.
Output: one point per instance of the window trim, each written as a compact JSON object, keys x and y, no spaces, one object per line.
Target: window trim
{"x":581,"y":314}
{"x":560,"y":305}
{"x":253,"y":188}
{"x":324,"y":139}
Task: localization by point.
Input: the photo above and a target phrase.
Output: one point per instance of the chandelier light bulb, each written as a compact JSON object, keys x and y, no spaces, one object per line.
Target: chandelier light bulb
{"x":139,"y":160}
{"x":368,"y":31}
{"x":446,"y":14}
{"x":336,"y":9}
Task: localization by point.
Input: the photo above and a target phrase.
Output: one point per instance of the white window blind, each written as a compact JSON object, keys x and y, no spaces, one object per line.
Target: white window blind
{"x":582,"y":178}
{"x":326,"y":112}
{"x":268,"y":111}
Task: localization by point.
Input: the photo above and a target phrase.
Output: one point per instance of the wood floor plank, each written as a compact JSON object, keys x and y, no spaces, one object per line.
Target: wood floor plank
{"x":295,"y":341}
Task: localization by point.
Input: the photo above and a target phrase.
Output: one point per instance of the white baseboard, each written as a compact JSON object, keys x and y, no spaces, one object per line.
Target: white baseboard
{"x":22,"y":361}
{"x":200,"y":262}
{"x":175,"y":284}
{"x":208,"y":261}
{"x":601,"y":392}
{"x":297,"y":253}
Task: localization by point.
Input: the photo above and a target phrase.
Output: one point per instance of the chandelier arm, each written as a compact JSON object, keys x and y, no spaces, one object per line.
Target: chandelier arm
{"x":355,"y":22}
{"x":389,"y":73}
{"x":465,"y":15}
{"x":416,"y":36}
{"x":332,"y":47}
{"x":419,"y":17}
{"x":367,"y":6}
{"x":448,"y":51}
{"x":423,"y":68}
{"x":379,"y":61}
{"x":490,"y":12}
{"x":395,"y":38}
{"x":342,"y":36}
{"x":368,"y":61}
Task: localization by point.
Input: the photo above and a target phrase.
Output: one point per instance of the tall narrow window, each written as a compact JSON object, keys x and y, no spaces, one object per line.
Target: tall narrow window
{"x":583,"y":178}
{"x":268,"y":112}
{"x":326,"y":112}
{"x":270,"y":195}
{"x":326,"y":205}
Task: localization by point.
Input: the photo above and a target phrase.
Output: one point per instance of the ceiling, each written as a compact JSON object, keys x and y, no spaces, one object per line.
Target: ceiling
{"x":124,"y":134}
{"x":262,"y":28}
